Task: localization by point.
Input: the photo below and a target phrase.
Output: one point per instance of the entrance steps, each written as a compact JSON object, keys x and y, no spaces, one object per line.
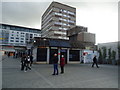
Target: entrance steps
{"x":40,"y":63}
{"x":73,"y":62}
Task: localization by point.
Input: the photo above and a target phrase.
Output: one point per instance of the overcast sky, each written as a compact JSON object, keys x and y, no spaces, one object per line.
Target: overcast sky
{"x":100,"y":16}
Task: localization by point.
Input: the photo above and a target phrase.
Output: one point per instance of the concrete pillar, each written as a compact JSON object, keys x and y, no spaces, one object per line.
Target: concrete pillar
{"x":80,"y":56}
{"x":35,"y":54}
{"x":48,"y":55}
{"x":68,"y":50}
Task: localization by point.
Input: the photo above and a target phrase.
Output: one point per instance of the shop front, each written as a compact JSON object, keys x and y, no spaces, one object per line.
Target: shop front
{"x":46,"y":48}
{"x":41,"y":54}
{"x":74,"y":55}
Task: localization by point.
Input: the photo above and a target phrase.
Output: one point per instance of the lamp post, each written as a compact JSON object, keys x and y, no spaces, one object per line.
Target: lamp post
{"x":30,"y":47}
{"x":44,"y":41}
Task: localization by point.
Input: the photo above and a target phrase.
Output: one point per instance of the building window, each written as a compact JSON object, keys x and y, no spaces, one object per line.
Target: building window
{"x":3,"y":27}
{"x":22,"y":29}
{"x":21,"y":41}
{"x":22,"y":38}
{"x":60,"y":28}
{"x":11,"y":40}
{"x":0,"y":26}
{"x":58,"y":14}
{"x":12,"y":37}
{"x":17,"y":38}
{"x":12,"y":31}
{"x":12,"y":34}
{"x":35,"y":34}
{"x":70,"y":21}
{"x":22,"y":35}
{"x":27,"y":30}
{"x":65,"y":11}
{"x":31,"y":35}
{"x":17,"y":28}
{"x":17,"y":41}
{"x":12,"y":28}
{"x":72,"y":13}
{"x":65,"y":28}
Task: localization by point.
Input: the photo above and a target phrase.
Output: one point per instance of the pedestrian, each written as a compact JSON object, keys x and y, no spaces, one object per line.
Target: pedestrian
{"x":13,"y":54}
{"x":27,"y":63}
{"x":31,"y":60}
{"x":62,"y":64}
{"x":23,"y":62}
{"x":55,"y":64}
{"x":16,"y":55}
{"x":95,"y":62}
{"x":8,"y":54}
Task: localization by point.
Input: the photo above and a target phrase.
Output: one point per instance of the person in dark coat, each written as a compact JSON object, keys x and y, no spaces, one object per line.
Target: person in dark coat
{"x":62,"y":64}
{"x":27,"y":63}
{"x":23,"y":62}
{"x":31,"y":60}
{"x":95,"y":62}
{"x":55,"y":64}
{"x":8,"y":54}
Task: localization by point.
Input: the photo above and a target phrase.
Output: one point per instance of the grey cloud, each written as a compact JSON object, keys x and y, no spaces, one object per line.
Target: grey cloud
{"x":23,"y":13}
{"x":29,"y":13}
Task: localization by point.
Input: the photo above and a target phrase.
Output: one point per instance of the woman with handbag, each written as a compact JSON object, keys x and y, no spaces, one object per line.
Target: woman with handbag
{"x":62,"y":64}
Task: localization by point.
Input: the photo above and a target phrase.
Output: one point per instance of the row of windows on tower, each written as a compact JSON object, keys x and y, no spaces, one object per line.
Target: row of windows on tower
{"x":16,"y":41}
{"x":17,"y":35}
{"x":60,"y":10}
{"x":66,"y":11}
{"x":61,"y":14}
{"x":16,"y":38}
{"x":46,"y":18}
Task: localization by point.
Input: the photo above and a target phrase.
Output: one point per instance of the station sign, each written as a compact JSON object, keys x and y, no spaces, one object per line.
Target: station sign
{"x":41,"y":47}
{"x":54,"y":48}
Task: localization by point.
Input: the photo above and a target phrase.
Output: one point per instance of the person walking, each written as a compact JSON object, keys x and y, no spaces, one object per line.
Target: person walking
{"x":62,"y":64}
{"x":23,"y":62}
{"x":27,"y":63}
{"x":8,"y":54}
{"x":55,"y":64}
{"x":31,"y":60}
{"x":95,"y":62}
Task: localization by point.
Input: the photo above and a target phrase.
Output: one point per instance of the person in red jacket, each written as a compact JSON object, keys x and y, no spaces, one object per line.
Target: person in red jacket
{"x":62,"y":64}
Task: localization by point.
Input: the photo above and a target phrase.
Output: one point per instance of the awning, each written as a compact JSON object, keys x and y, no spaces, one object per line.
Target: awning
{"x":55,"y":43}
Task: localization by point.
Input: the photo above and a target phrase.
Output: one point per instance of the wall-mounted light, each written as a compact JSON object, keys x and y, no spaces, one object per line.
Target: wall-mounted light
{"x":34,"y":41}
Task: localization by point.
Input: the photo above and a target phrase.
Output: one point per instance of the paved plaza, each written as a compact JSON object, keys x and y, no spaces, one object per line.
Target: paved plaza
{"x":75,"y":76}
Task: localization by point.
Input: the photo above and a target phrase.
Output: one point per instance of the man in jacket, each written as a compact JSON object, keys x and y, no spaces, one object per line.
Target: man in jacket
{"x":27,"y":63}
{"x":31,"y":60}
{"x":23,"y":62}
{"x":95,"y":62}
{"x":55,"y":64}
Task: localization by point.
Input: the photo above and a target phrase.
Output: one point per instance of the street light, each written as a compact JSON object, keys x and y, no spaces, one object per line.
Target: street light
{"x":34,"y":41}
{"x":44,"y":39}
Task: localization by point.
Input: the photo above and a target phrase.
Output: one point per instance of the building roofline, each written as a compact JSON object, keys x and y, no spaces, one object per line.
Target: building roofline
{"x":77,"y":26}
{"x":58,"y":3}
{"x":64,"y":4}
{"x":19,"y":26}
{"x":108,"y":42}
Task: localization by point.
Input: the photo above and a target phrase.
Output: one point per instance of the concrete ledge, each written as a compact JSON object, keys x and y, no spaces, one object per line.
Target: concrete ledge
{"x":40,"y":63}
{"x":70,"y":62}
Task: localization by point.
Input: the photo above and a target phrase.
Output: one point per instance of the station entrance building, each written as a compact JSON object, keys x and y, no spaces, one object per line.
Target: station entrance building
{"x":45,"y":48}
{"x":72,"y":49}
